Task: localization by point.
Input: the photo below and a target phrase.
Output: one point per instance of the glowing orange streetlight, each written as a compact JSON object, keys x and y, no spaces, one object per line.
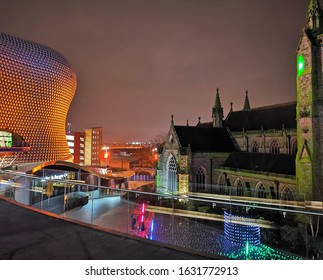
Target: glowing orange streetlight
{"x":106,"y":154}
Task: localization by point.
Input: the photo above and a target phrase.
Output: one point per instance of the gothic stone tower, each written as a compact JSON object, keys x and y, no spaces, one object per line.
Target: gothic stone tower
{"x":309,"y":159}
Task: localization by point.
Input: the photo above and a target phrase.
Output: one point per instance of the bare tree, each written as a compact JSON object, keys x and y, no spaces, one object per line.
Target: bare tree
{"x":159,"y":139}
{"x":311,"y":223}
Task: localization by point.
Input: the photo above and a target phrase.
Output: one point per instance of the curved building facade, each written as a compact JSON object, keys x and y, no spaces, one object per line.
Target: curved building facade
{"x":37,"y":85}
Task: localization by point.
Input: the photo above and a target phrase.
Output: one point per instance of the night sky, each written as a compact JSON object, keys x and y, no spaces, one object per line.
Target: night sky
{"x":137,"y":62}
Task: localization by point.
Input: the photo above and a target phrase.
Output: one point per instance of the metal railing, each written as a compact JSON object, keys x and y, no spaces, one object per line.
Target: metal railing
{"x":194,"y":223}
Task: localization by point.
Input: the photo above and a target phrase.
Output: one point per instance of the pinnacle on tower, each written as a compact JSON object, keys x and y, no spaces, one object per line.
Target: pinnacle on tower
{"x":217,"y":103}
{"x":217,"y":111}
{"x":314,"y":16}
{"x":246,"y":105}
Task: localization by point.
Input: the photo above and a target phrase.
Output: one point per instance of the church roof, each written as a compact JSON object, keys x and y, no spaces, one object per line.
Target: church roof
{"x":206,"y":124}
{"x":205,"y":139}
{"x":268,"y":117}
{"x":273,"y":163}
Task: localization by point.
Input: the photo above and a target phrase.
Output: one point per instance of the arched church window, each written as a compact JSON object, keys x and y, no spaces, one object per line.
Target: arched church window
{"x":287,"y":194}
{"x":221,"y":182}
{"x":261,"y":191}
{"x":274,"y":147}
{"x":239,"y":186}
{"x":200,"y":178}
{"x":171,"y":174}
{"x":255,"y":147}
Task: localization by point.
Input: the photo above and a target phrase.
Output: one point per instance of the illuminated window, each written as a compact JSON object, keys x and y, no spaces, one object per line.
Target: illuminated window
{"x":5,"y":139}
{"x":171,"y":174}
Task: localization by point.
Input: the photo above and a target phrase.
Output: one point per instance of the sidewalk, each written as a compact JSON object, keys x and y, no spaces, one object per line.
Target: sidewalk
{"x":29,"y":235}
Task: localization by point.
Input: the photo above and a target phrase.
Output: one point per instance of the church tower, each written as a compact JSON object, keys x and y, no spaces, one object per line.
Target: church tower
{"x":309,"y":111}
{"x":217,"y":111}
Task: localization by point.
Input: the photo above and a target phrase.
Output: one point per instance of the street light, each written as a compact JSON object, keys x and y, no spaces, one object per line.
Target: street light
{"x":106,"y":154}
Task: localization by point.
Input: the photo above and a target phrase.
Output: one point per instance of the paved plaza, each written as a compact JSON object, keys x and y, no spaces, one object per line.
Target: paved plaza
{"x":28,"y":235}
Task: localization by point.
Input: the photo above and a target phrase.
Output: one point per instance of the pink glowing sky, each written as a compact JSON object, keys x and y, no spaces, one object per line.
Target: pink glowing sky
{"x":138,"y":62}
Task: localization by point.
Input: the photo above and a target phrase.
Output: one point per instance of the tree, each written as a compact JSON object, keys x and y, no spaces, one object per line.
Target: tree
{"x":314,"y":232}
{"x":159,"y":139}
{"x":292,"y":237}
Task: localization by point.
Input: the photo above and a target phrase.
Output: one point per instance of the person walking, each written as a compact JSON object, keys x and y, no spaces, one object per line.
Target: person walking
{"x":133,"y":221}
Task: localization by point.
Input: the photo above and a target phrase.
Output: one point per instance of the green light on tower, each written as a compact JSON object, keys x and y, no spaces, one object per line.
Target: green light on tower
{"x":300,"y":65}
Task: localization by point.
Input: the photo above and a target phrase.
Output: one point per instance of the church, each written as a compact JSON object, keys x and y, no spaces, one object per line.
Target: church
{"x":272,"y":152}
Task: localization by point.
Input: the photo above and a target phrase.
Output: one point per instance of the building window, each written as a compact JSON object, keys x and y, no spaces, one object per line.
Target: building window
{"x":274,"y":147}
{"x":5,"y":139}
{"x":200,"y":179}
{"x":255,"y":147}
{"x":287,"y":194}
{"x":171,"y":174}
{"x":261,"y":191}
{"x":221,"y":182}
{"x":239,"y":187}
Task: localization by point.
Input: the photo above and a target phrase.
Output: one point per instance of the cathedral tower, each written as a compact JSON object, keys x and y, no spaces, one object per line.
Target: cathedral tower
{"x":309,"y":159}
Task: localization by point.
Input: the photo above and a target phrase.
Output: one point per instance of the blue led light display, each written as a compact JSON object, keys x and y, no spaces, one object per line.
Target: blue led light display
{"x":238,"y":229}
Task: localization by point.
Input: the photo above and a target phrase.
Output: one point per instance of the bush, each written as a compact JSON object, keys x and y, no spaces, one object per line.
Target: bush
{"x":204,"y":209}
{"x":293,"y":237}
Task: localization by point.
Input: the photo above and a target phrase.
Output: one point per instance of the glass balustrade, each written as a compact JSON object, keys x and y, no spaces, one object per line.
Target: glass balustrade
{"x":224,"y":225}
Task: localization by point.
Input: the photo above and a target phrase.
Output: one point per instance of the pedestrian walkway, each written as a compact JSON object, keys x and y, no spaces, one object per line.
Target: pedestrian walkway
{"x":29,"y":235}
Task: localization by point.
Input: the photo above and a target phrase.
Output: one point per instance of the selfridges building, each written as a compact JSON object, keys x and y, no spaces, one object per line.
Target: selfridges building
{"x":37,"y":85}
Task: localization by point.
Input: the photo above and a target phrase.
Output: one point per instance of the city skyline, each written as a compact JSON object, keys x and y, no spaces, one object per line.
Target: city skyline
{"x":138,"y":62}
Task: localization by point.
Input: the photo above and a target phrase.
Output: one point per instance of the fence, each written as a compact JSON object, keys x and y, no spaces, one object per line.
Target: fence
{"x":193,"y":223}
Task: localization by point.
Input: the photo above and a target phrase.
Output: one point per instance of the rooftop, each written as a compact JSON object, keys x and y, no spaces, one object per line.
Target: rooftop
{"x":272,"y":163}
{"x":205,"y":139}
{"x":267,"y":117}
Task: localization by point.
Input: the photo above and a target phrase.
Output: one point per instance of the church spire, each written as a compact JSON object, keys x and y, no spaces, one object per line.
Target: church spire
{"x":246,"y":105}
{"x":217,"y":111}
{"x":217,"y":103}
{"x":314,"y":16}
